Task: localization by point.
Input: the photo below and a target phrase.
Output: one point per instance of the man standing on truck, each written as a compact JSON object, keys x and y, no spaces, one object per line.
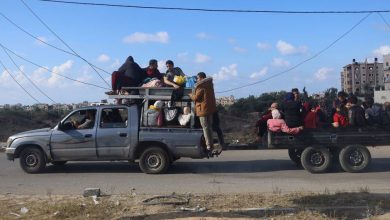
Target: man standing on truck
{"x":205,"y":106}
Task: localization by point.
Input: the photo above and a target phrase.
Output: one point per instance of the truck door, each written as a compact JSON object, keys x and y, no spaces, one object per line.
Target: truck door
{"x":113,"y":134}
{"x":75,"y":137}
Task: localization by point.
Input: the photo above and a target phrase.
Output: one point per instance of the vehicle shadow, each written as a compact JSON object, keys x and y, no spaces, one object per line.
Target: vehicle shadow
{"x":93,"y":167}
{"x":202,"y":166}
{"x":250,"y":166}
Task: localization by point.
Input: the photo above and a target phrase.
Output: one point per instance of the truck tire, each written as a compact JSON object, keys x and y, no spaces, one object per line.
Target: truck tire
{"x":295,"y":155}
{"x":316,"y":159}
{"x":58,"y":163}
{"x":32,"y":160}
{"x":154,"y":160}
{"x":354,"y":158}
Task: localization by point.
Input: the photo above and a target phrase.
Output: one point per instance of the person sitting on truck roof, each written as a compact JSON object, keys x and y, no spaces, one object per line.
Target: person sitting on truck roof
{"x":153,"y":76}
{"x":277,"y":124}
{"x":171,"y":73}
{"x":129,"y":74}
{"x":152,"y":70}
{"x":205,"y":106}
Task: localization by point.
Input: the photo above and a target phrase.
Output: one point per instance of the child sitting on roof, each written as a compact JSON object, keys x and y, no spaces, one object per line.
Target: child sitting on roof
{"x":276,"y":124}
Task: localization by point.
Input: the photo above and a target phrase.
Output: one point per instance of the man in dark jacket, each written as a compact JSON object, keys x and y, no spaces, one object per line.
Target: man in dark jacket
{"x":356,"y":114}
{"x":133,"y":71}
{"x":152,"y":70}
{"x":292,"y":111}
{"x":205,"y":106}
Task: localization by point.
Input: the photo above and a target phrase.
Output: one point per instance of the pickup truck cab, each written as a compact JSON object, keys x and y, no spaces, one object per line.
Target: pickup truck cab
{"x":106,"y":133}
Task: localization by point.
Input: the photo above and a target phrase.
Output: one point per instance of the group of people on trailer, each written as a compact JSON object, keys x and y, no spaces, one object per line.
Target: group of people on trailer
{"x":296,"y":114}
{"x":130,"y":74}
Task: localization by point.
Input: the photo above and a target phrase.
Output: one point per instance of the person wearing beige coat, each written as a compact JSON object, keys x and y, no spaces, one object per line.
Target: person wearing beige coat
{"x":205,"y":105}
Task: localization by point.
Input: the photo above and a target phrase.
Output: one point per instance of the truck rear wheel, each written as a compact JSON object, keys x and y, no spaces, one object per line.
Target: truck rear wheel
{"x":295,"y":155}
{"x":32,"y":160}
{"x":154,"y":160}
{"x":316,"y":159}
{"x":354,"y":158}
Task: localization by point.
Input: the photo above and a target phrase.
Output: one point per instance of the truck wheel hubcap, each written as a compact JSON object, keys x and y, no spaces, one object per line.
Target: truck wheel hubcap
{"x":317,"y":159}
{"x":31,"y":160}
{"x":153,"y":161}
{"x":356,"y":158}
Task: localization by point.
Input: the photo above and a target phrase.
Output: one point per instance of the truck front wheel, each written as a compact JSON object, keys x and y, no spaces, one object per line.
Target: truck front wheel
{"x":354,"y":158}
{"x":32,"y":160}
{"x":154,"y":160}
{"x":316,"y":159}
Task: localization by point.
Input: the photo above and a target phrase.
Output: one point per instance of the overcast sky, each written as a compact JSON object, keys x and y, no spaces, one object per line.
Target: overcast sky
{"x":235,"y":48}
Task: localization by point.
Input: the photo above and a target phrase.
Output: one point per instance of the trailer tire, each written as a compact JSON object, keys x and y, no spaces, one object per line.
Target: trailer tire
{"x":295,"y":155}
{"x":32,"y":160}
{"x":354,"y":158}
{"x":316,"y":159}
{"x":154,"y":160}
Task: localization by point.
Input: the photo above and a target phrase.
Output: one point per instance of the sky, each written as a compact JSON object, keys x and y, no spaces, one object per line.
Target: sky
{"x":236,"y":49}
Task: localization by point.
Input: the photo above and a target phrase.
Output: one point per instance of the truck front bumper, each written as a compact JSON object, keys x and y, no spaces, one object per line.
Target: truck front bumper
{"x":10,"y":152}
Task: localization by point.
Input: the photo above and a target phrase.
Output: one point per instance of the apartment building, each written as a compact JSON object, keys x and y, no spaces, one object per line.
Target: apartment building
{"x":363,"y":77}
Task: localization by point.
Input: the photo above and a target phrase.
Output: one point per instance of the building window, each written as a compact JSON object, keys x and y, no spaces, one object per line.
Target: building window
{"x":356,"y":82}
{"x":387,"y":63}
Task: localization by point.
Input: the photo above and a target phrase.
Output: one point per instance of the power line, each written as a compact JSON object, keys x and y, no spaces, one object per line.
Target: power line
{"x":66,"y":77}
{"x":384,"y":20}
{"x":5,"y":68}
{"x":302,"y":62}
{"x":63,"y":41}
{"x":27,"y":76}
{"x":46,"y":43}
{"x":215,"y":10}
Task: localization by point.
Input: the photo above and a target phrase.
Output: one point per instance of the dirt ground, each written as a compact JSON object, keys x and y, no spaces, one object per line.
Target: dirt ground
{"x":361,"y":205}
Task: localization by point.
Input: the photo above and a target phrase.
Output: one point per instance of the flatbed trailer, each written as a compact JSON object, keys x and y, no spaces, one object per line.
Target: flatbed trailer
{"x":317,"y":150}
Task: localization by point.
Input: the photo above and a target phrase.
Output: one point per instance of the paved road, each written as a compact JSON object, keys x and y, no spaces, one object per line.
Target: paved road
{"x":234,"y":171}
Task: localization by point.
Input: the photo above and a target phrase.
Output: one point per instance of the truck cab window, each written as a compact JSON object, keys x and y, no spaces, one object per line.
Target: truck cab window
{"x":113,"y":118}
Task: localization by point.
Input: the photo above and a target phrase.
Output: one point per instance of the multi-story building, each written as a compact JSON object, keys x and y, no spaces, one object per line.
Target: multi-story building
{"x":362,"y":77}
{"x":386,"y":70}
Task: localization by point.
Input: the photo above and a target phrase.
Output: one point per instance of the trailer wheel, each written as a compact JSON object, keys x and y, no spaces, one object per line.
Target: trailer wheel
{"x":32,"y":160}
{"x":354,"y":158}
{"x":295,"y":155}
{"x":154,"y":160}
{"x":316,"y":159}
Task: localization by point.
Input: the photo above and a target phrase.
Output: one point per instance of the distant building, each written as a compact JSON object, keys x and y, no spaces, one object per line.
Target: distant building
{"x":225,"y":101}
{"x":386,"y":70}
{"x":363,"y":77}
{"x":382,"y":96}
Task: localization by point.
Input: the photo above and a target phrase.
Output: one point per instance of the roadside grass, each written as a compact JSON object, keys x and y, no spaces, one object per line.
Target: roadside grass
{"x":272,"y":205}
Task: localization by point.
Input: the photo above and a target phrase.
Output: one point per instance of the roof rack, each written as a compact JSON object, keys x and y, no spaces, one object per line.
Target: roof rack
{"x":151,"y":93}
